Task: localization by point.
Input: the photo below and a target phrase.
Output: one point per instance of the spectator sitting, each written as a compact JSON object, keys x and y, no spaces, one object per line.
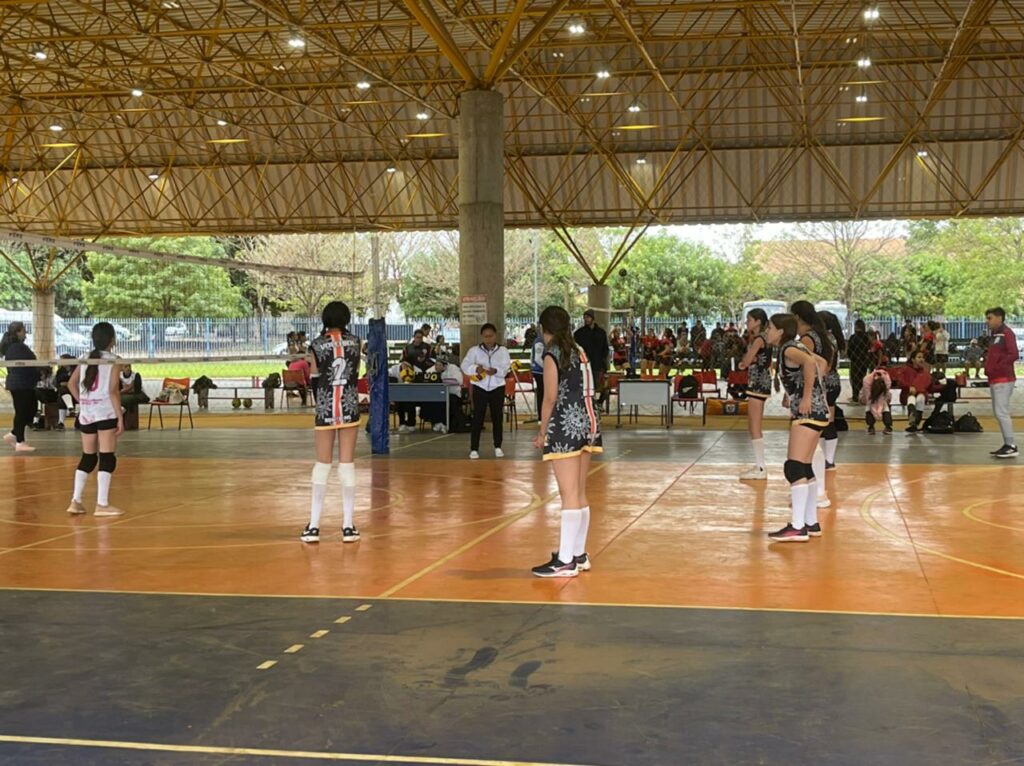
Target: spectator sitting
{"x":302,"y":365}
{"x":917,"y":384}
{"x":876,"y":395}
{"x":403,"y":372}
{"x":46,"y":393}
{"x":60,"y":380}
{"x":973,"y":355}
{"x":417,"y":353}
{"x":434,"y":412}
{"x":132,"y":393}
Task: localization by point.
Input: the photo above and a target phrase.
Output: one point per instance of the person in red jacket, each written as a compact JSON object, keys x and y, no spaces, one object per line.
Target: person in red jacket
{"x":917,"y":384}
{"x":1002,"y":377}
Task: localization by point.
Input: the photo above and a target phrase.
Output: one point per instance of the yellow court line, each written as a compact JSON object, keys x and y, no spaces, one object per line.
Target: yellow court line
{"x":309,"y":755}
{"x":865,"y":514}
{"x":266,"y":665}
{"x":969,"y":513}
{"x":515,"y":602}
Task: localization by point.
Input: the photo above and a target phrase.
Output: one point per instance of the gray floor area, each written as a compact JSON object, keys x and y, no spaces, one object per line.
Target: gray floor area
{"x":606,"y":686}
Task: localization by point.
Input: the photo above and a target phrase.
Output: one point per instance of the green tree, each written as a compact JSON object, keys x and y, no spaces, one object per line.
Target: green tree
{"x":124,"y":286}
{"x":15,"y":293}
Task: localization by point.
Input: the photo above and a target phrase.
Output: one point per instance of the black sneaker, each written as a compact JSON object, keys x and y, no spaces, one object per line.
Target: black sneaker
{"x":814,"y":530}
{"x":59,"y":427}
{"x":555,"y":568}
{"x":310,"y":534}
{"x":789,"y":534}
{"x":350,"y":535}
{"x":999,"y":451}
{"x":871,"y":431}
{"x":887,"y":432}
{"x":583,"y":562}
{"x":1007,"y":451}
{"x":830,"y":466}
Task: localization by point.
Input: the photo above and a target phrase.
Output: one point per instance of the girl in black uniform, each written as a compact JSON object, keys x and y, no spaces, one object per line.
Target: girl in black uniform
{"x":814,"y":336}
{"x":802,"y":374}
{"x":570,"y":432}
{"x":833,"y":386}
{"x":758,"y":364}
{"x":334,"y":359}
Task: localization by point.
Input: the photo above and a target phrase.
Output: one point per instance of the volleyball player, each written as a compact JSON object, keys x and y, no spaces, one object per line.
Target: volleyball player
{"x":814,"y":337}
{"x":758,"y":364}
{"x":570,"y":432}
{"x":97,"y":388}
{"x":801,"y":372}
{"x":334,"y":359}
{"x":833,"y":387}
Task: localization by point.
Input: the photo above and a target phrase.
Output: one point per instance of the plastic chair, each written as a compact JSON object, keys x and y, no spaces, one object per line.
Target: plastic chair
{"x":292,"y":381}
{"x":511,"y":414}
{"x":182,"y":383}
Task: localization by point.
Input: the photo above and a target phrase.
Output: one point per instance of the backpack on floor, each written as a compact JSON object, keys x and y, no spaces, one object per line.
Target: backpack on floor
{"x":968,"y":424}
{"x":940,"y":423}
{"x":841,"y":423}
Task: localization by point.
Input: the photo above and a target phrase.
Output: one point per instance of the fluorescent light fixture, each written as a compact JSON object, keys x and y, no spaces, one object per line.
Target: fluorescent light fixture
{"x":634,"y":108}
{"x":862,"y":99}
{"x":576,"y":26}
{"x":864,"y":61}
{"x":641,"y":161}
{"x":14,"y":179}
{"x":39,"y":54}
{"x":363,"y":85}
{"x":56,"y":127}
{"x":227,"y":140}
{"x":842,"y":120}
{"x":422,"y":116}
{"x":137,"y":92}
{"x":425,"y":135}
{"x":296,"y":42}
{"x":636,"y":127}
{"x":392,"y":169}
{"x":871,"y":14}
{"x":922,"y":153}
{"x":222,"y":123}
{"x":153,"y":176}
{"x":170,"y":4}
{"x":603,"y":74}
{"x":60,"y":145}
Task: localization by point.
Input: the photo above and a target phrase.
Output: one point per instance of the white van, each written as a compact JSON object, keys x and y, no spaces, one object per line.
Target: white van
{"x":769,"y":307}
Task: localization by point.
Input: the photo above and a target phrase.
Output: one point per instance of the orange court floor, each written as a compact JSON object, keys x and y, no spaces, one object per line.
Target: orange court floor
{"x":198,"y":629}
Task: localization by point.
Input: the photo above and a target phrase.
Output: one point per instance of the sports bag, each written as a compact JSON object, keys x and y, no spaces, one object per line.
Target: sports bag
{"x":940,"y":423}
{"x":968,"y":424}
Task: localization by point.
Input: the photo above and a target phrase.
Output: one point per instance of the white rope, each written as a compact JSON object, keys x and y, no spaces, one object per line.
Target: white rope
{"x":15,"y":238}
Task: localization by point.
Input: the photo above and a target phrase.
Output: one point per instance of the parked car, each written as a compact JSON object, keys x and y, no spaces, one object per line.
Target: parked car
{"x":124,"y":335}
{"x":176,"y":330}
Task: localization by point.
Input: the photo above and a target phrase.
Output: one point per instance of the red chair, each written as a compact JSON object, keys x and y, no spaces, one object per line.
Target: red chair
{"x":707,"y":387}
{"x":292,"y":381}
{"x":511,"y":386}
{"x":183,"y":384}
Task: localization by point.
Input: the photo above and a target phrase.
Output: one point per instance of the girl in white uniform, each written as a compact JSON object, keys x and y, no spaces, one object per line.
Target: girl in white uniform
{"x":97,"y":388}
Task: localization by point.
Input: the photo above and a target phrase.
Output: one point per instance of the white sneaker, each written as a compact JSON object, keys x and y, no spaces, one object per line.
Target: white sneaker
{"x":11,"y":441}
{"x":24,"y":447}
{"x":474,"y":455}
{"x":754,"y":474}
{"x":76,"y":508}
{"x":498,"y":452}
{"x":404,"y":430}
{"x":436,"y":428}
{"x":107,"y":510}
{"x":824,"y":502}
{"x":441,"y":428}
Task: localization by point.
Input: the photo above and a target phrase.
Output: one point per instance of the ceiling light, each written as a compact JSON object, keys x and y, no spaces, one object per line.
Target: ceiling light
{"x":603,"y":74}
{"x":296,"y":42}
{"x":14,"y":179}
{"x":153,"y":176}
{"x":862,"y":99}
{"x":222,"y":123}
{"x":227,"y":140}
{"x":422,"y":116}
{"x":425,"y":135}
{"x":641,"y":161}
{"x":922,"y":153}
{"x":864,"y":62}
{"x":39,"y":54}
{"x":638,"y":127}
{"x":391,"y":169}
{"x":137,"y":92}
{"x":170,"y":4}
{"x":634,"y":108}
{"x":279,"y":67}
{"x":585,"y":100}
{"x":363,"y":85}
{"x":871,"y":14}
{"x":60,"y":145}
{"x":576,"y":26}
{"x":56,"y":127}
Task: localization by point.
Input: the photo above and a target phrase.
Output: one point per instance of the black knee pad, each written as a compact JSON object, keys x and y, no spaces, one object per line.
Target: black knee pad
{"x":830,"y":432}
{"x":793,"y":470}
{"x":108,"y":462}
{"x":88,"y":463}
{"x":808,"y":471}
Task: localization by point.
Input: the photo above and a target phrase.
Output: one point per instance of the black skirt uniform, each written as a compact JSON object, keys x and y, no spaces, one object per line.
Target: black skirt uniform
{"x":575,"y":425}
{"x":793,"y":383}
{"x":833,"y":386}
{"x":335,"y":380}
{"x":759,"y":374}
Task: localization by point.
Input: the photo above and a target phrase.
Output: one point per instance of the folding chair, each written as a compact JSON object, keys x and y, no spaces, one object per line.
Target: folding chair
{"x":292,"y":381}
{"x":182,"y":383}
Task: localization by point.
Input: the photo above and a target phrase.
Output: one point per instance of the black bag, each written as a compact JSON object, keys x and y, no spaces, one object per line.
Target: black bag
{"x":968,"y":424}
{"x":940,"y":423}
{"x":688,"y":387}
{"x":840,"y":421}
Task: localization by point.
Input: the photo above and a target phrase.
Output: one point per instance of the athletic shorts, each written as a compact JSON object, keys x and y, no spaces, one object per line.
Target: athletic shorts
{"x":759,"y":394}
{"x":814,"y":426}
{"x":99,"y":425}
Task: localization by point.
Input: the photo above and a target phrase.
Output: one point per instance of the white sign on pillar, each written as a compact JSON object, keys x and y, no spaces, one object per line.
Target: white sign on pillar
{"x":473,"y":310}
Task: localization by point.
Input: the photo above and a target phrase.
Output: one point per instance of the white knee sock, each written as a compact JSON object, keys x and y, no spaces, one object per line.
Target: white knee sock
{"x":103,"y":487}
{"x":758,"y":445}
{"x":818,"y":465}
{"x":829,"y":446}
{"x":81,"y":477}
{"x":580,"y":546}
{"x":811,"y":506}
{"x":347,"y":476}
{"x":63,"y":415}
{"x":321,"y":471}
{"x":570,"y":527}
{"x":799,"y":493}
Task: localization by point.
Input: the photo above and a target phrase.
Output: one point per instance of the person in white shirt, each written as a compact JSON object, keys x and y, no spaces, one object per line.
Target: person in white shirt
{"x":941,"y":349}
{"x":434,"y":412}
{"x":97,"y":388}
{"x":487,"y":365}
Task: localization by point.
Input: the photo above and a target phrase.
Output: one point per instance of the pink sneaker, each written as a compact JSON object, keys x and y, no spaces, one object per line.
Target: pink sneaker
{"x":23,"y":447}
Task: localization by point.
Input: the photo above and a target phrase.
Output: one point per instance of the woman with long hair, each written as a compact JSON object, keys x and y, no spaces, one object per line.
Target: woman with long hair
{"x":758,"y":363}
{"x":21,"y":384}
{"x":570,"y":432}
{"x":97,"y":389}
{"x":814,"y":336}
{"x":833,"y":386}
{"x":802,"y":374}
{"x":334,"y":359}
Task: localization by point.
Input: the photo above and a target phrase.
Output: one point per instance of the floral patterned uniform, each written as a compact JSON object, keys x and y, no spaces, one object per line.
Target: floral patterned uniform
{"x":832,"y":383}
{"x":793,"y":383}
{"x":575,"y":426}
{"x":760,"y":371}
{"x":335,"y":380}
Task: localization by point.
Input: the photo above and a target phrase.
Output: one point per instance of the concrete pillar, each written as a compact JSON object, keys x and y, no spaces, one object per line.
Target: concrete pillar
{"x":482,"y":207}
{"x":599,"y":300}
{"x":43,"y":302}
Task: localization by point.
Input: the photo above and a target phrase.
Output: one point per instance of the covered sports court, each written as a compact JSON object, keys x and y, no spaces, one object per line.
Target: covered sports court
{"x":197,"y":629}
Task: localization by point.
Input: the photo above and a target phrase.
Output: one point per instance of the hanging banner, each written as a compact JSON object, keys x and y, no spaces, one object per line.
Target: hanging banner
{"x":473,"y":310}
